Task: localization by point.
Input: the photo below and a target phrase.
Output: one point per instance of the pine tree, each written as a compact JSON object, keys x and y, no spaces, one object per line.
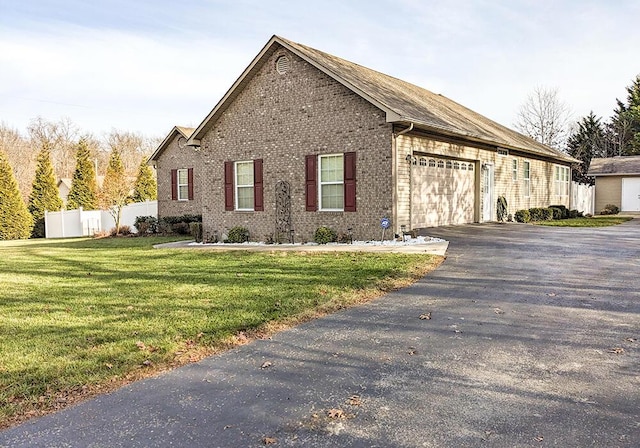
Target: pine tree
{"x":587,"y":142}
{"x":15,"y":220}
{"x":145,"y":188}
{"x":44,"y":193}
{"x":83,"y":185}
{"x":115,"y":192}
{"x":625,"y":123}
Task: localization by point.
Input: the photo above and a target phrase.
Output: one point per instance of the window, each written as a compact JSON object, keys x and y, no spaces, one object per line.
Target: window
{"x":471,"y":167}
{"x":503,"y":152}
{"x":182,"y":184}
{"x":440,"y":164}
{"x":456,"y":165}
{"x":330,"y":182}
{"x":432,"y":163}
{"x":526,"y":176}
{"x":423,"y":161}
{"x":463,"y":166}
{"x":514,"y":168}
{"x":562,"y":180}
{"x":244,"y":185}
{"x":449,"y":164}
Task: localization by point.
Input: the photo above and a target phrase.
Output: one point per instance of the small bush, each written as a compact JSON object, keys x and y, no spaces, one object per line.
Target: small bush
{"x":557,"y":212}
{"x":610,"y":209}
{"x":537,"y":214}
{"x":125,"y":230}
{"x":344,"y":238}
{"x":564,"y":210}
{"x":522,"y":216}
{"x":182,"y":218}
{"x":238,"y":235}
{"x":181,"y":228}
{"x":146,"y":224}
{"x":196,"y":231}
{"x":575,"y":214}
{"x":547,"y":213}
{"x":324,"y":235}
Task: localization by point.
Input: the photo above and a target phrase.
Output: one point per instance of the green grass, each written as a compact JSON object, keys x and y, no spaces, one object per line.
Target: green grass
{"x":596,"y":221}
{"x":82,"y":316}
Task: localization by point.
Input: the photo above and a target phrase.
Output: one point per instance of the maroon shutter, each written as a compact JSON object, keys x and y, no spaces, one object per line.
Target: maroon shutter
{"x":228,"y":186}
{"x":349,"y":181}
{"x":174,"y":185}
{"x":311,"y":179}
{"x":258,"y":191}
{"x":190,"y":183}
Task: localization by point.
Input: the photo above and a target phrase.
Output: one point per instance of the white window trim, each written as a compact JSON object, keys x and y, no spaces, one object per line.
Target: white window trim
{"x":321,"y":184}
{"x":514,"y":170}
{"x":526,"y":177}
{"x":186,"y":184}
{"x":562,"y":180}
{"x":237,"y":185}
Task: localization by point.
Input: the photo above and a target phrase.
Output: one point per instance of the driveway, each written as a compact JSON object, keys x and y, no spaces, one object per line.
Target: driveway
{"x":532,"y":342}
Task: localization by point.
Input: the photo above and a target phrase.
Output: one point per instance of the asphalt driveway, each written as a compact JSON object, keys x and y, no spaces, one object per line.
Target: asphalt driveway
{"x":532,"y":342}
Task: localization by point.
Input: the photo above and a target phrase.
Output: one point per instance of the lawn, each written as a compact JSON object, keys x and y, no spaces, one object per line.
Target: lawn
{"x":596,"y":221}
{"x":84,"y":316}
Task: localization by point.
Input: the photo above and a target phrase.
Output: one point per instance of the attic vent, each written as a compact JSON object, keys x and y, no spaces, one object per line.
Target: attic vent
{"x":282,"y":65}
{"x":503,"y":152}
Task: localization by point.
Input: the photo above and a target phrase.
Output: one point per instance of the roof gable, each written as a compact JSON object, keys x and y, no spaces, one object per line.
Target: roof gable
{"x":401,"y":101}
{"x":177,"y":131}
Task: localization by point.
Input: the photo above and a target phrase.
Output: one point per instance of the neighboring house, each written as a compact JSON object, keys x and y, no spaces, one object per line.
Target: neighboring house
{"x":64,"y":187}
{"x":178,"y":170}
{"x":304,"y":139}
{"x":617,"y":182}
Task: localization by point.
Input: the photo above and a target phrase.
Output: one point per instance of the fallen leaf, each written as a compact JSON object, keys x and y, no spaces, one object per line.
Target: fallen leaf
{"x":269,"y":440}
{"x":457,"y":331}
{"x":616,"y":350}
{"x":412,"y":351}
{"x":108,"y":366}
{"x":354,"y":400}
{"x":129,"y":307}
{"x":539,"y":439}
{"x":199,"y":335}
{"x":630,"y":339}
{"x":498,"y":311}
{"x":425,"y":316}
{"x":552,"y":294}
{"x":266,"y":365}
{"x":147,"y":363}
{"x":335,"y":413}
{"x":141,"y":345}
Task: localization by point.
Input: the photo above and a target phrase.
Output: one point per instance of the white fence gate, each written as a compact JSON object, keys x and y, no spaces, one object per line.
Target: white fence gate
{"x":75,"y":223}
{"x":582,"y":197}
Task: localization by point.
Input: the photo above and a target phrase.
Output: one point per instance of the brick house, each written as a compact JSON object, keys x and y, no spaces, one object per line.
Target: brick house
{"x":178,"y":171}
{"x":304,"y":139}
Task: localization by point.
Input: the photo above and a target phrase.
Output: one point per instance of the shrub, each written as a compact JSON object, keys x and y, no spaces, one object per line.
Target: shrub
{"x":563,"y":209}
{"x":182,"y":218}
{"x":501,"y":209}
{"x":181,"y":228}
{"x":146,"y":224}
{"x":238,"y":235}
{"x":196,"y":231}
{"x":575,"y":214}
{"x":610,"y":209}
{"x":124,"y":231}
{"x":324,"y":235}
{"x":522,"y":216}
{"x":547,"y":214}
{"x":537,"y":214}
{"x":557,"y":212}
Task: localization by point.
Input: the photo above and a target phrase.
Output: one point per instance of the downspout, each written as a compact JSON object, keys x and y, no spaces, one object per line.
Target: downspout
{"x":409,"y":129}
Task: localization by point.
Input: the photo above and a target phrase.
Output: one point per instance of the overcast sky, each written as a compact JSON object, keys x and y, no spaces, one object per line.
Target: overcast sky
{"x":147,"y":65}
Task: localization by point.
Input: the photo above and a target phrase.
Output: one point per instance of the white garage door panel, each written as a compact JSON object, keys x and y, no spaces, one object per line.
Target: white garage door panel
{"x":442,"y":195}
{"x":630,"y":194}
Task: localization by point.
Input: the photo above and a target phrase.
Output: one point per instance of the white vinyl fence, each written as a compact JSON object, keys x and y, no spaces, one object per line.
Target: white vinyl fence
{"x":74,"y":223}
{"x":582,"y":197}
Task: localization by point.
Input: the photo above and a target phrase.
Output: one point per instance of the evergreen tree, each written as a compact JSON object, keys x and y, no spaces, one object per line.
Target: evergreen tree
{"x":44,"y":193}
{"x":83,"y":185}
{"x":587,"y":142}
{"x":115,"y":192}
{"x":625,"y":123}
{"x":15,"y":220}
{"x":146,"y":187}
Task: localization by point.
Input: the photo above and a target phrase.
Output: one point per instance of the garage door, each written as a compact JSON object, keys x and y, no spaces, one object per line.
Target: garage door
{"x":630,"y":194}
{"x":443,"y":192}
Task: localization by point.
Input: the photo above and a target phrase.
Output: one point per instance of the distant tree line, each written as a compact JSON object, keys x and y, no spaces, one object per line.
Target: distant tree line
{"x":31,"y":166}
{"x":545,"y":118}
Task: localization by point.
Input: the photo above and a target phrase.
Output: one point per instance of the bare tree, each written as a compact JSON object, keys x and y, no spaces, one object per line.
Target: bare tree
{"x":60,"y":139}
{"x":545,"y":118}
{"x":21,"y":155}
{"x":132,"y":147}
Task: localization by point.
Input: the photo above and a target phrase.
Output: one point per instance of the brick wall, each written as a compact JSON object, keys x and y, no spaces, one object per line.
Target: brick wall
{"x":174,"y":157}
{"x":283,"y":118}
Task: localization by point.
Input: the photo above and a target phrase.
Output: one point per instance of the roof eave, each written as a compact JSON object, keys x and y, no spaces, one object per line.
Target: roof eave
{"x":165,"y":143}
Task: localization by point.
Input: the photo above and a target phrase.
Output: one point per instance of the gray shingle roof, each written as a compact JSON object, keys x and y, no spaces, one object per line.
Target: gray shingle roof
{"x":612,"y":166}
{"x":184,"y":131}
{"x":403,"y":102}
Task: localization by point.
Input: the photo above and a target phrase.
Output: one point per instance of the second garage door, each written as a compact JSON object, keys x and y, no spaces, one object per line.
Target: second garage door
{"x":443,"y":192}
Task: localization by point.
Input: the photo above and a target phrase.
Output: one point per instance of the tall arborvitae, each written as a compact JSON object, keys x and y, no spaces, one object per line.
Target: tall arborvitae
{"x":44,"y":193}
{"x":15,"y":220}
{"x":625,"y":123}
{"x":83,"y":191}
{"x":146,"y":187}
